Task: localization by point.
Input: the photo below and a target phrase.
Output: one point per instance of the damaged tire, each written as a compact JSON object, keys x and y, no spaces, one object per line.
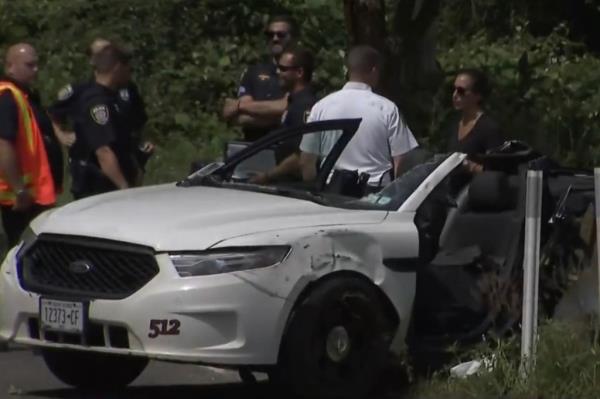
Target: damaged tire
{"x":337,"y":341}
{"x":87,"y":370}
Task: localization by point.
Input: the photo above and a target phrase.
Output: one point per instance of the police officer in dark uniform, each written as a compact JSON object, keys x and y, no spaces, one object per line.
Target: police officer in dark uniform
{"x":129,"y":101}
{"x":102,"y":155}
{"x":295,"y":69}
{"x":261,"y":100}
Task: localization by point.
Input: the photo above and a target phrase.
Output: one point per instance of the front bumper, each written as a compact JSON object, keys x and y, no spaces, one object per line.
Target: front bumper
{"x":223,"y":319}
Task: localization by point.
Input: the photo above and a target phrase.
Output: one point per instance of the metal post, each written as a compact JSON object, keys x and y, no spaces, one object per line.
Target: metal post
{"x":531,"y":267}
{"x":597,"y":210}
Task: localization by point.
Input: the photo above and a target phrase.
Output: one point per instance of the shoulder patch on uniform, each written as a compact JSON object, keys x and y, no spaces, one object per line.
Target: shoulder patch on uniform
{"x":65,"y":92}
{"x":124,"y":94}
{"x":100,"y":114}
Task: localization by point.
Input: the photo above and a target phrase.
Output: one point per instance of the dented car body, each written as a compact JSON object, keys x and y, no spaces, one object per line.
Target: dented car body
{"x":313,"y":287}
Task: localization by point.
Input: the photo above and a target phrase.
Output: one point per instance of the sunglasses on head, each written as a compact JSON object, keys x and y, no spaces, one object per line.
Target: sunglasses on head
{"x":285,"y":68}
{"x":461,"y":91}
{"x":280,"y":34}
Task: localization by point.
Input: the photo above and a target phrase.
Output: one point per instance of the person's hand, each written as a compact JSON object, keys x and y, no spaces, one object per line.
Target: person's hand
{"x":147,"y":147}
{"x":259,"y":178}
{"x":67,"y":138}
{"x":23,"y":201}
{"x":473,"y":167}
{"x":231,"y":108}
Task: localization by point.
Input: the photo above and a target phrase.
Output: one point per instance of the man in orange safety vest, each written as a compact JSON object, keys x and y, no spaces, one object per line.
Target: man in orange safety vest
{"x":30,"y":156}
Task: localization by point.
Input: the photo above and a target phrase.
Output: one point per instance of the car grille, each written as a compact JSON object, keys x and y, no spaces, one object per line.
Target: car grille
{"x":68,"y":266}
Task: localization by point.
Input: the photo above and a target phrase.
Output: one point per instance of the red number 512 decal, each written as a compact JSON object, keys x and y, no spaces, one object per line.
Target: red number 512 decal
{"x":163,"y":327}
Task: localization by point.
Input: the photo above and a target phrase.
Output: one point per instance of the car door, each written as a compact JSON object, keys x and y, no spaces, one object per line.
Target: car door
{"x":261,"y":156}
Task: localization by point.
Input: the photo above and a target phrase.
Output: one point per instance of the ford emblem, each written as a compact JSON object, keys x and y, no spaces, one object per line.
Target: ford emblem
{"x":80,"y":266}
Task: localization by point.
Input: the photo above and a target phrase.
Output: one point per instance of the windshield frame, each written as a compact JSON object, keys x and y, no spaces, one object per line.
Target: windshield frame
{"x":348,"y":127}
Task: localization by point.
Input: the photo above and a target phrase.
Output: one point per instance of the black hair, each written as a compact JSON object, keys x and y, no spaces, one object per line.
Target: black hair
{"x":363,"y":58}
{"x":110,"y":55}
{"x":481,"y":83}
{"x":285,"y":18}
{"x":302,"y":58}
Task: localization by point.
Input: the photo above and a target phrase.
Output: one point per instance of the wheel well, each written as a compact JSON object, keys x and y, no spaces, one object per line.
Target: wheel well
{"x":389,"y":309}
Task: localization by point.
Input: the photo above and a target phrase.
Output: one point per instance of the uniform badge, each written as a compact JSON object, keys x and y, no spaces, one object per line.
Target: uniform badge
{"x":100,"y":114}
{"x":65,"y":92}
{"x":124,"y":94}
{"x":263,"y":76}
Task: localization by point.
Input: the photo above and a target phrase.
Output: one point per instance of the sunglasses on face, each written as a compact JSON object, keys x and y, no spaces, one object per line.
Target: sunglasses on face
{"x":461,"y":91}
{"x":285,"y":68}
{"x":280,"y":34}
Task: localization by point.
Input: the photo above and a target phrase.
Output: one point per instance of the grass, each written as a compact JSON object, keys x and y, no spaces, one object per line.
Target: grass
{"x":567,"y":366}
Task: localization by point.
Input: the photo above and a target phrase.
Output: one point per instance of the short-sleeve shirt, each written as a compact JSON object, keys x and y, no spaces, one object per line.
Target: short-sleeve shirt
{"x":101,"y":122}
{"x":129,"y":100}
{"x":9,"y":127}
{"x":381,"y":135}
{"x":484,"y":136}
{"x":261,"y":82}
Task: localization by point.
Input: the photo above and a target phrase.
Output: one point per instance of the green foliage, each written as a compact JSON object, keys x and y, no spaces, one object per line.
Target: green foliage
{"x":545,"y":90}
{"x":566,"y":367}
{"x":189,"y":56}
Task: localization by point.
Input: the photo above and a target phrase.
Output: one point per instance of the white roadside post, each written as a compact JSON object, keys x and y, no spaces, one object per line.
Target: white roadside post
{"x":597,"y":210}
{"x":531,"y":266}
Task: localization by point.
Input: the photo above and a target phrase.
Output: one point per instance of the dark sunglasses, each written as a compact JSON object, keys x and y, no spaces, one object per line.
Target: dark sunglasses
{"x":279,"y":33}
{"x":285,"y":68}
{"x":461,"y":91}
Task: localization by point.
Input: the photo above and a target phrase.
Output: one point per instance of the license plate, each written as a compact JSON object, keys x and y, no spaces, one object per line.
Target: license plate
{"x":62,"y":316}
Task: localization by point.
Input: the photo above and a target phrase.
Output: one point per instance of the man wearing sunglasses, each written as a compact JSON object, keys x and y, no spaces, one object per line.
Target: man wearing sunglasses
{"x":295,"y":68}
{"x":261,"y":101}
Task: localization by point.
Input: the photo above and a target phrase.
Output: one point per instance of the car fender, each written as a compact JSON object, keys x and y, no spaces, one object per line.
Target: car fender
{"x":318,"y":253}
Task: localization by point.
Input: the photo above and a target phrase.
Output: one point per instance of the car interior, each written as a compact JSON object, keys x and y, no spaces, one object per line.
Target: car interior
{"x":468,"y":248}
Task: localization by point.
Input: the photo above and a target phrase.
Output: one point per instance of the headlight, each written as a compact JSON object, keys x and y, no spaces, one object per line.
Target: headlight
{"x":227,"y":260}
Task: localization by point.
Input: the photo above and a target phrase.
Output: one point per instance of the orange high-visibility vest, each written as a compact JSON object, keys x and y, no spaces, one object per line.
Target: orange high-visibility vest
{"x":31,"y":155}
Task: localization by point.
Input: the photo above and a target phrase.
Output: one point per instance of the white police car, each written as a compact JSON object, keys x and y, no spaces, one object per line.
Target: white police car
{"x":313,"y":287}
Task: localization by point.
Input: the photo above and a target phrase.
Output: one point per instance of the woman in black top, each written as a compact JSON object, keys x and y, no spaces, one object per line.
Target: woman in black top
{"x":474,"y":131}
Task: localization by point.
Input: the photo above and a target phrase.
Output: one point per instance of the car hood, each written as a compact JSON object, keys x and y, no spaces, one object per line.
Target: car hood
{"x":167,"y":217}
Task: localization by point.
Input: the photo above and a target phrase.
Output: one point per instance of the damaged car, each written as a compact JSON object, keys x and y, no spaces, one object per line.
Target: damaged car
{"x":311,"y":285}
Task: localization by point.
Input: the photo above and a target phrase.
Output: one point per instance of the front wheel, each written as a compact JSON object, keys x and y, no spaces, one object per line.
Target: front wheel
{"x":337,"y":341}
{"x":90,"y":370}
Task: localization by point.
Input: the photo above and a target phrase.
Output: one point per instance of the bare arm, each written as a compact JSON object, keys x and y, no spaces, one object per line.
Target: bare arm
{"x":397,"y":161}
{"x":230,"y":108}
{"x":308,"y":163}
{"x":247,"y":112}
{"x":110,"y":166}
{"x":265,"y":109}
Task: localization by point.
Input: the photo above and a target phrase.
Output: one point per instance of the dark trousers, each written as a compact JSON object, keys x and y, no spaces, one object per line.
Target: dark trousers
{"x":15,"y":222}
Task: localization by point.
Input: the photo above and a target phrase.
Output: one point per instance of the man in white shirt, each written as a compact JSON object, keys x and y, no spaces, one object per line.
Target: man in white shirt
{"x":382,"y":137}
